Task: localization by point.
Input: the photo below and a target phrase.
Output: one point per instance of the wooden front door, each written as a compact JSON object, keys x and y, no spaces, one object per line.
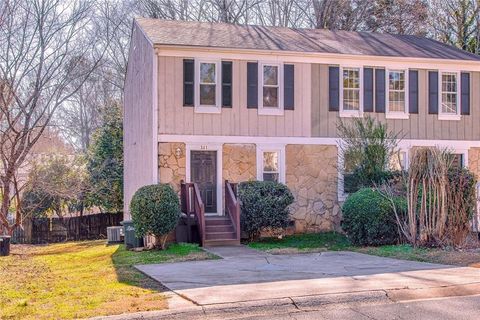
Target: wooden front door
{"x":203,"y":171}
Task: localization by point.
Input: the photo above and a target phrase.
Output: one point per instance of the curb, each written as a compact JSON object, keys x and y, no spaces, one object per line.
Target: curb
{"x":258,"y":308}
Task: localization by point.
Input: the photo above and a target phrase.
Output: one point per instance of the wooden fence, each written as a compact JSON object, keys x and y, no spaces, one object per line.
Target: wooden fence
{"x":49,"y":230}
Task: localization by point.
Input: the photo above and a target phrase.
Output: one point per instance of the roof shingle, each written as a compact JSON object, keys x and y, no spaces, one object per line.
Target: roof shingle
{"x":222,"y":35}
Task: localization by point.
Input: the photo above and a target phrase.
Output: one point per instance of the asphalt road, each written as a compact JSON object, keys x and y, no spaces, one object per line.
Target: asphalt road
{"x":457,"y":308}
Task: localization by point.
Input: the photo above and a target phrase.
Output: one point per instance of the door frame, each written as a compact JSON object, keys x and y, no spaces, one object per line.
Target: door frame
{"x":207,"y":147}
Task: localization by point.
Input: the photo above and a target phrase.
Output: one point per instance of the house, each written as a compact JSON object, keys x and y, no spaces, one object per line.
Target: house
{"x":210,"y":102}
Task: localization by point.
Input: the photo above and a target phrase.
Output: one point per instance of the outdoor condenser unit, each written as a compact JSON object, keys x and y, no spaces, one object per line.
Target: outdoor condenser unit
{"x":114,"y":234}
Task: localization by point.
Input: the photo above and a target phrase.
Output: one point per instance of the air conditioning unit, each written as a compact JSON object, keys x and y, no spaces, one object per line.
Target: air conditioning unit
{"x":115,"y":234}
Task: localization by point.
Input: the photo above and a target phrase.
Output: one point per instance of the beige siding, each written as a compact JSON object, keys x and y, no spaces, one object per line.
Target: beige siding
{"x":235,"y":121}
{"x":418,"y":126}
{"x":139,"y":144}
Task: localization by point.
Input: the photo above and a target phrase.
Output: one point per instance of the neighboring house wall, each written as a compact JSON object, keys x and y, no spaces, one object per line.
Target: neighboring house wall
{"x":235,"y":121}
{"x":422,"y":126}
{"x":140,"y":151}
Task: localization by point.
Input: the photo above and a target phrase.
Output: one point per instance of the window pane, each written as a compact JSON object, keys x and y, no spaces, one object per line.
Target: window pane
{"x":396,"y":101}
{"x":270,"y":97}
{"x":270,"y":161}
{"x":207,"y":94}
{"x":207,"y":72}
{"x":449,"y":93}
{"x":270,"y":177}
{"x":351,"y":99}
{"x":457,"y":160}
{"x":270,"y":75}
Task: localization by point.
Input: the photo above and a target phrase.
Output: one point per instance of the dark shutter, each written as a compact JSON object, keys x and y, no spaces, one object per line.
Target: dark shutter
{"x":226,"y":84}
{"x":333,"y":88}
{"x":465,"y":89}
{"x":368,"y":89}
{"x":433,"y":92}
{"x":188,"y":82}
{"x":288,"y":86}
{"x":380,"y":90}
{"x":252,"y":85}
{"x":412,"y":91}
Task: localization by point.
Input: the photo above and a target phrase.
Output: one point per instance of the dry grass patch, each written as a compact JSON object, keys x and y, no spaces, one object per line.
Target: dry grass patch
{"x":82,"y":279}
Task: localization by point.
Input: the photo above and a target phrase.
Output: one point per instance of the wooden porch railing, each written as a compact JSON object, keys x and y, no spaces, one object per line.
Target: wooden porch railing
{"x":232,"y":206}
{"x":192,"y":205}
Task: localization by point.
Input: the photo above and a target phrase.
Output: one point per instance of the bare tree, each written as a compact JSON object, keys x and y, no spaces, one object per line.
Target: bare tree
{"x":42,"y":43}
{"x":455,"y":22}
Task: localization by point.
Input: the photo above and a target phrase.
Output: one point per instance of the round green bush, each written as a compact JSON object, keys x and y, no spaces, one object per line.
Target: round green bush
{"x":155,"y":210}
{"x":264,"y":204}
{"x":368,"y":218}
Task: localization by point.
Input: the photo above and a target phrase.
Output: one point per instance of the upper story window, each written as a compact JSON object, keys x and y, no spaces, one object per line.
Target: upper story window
{"x":208,"y":86}
{"x":351,"y":95}
{"x":271,"y":89}
{"x":397,"y":94}
{"x":449,"y":97}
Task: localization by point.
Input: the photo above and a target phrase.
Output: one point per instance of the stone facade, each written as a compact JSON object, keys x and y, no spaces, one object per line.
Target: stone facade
{"x":239,"y":162}
{"x":474,"y":161}
{"x":311,"y":175}
{"x":172,"y":163}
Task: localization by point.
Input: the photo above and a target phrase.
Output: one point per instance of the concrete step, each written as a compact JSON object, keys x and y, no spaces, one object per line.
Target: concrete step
{"x":220,"y":236}
{"x":219,"y":228}
{"x":221,"y":242}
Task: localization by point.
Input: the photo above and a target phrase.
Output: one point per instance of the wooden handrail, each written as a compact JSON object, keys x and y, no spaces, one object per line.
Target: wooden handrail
{"x":232,"y":206}
{"x":192,"y":204}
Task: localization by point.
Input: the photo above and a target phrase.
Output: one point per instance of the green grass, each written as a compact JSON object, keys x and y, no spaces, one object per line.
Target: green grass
{"x":304,"y":242}
{"x":82,"y":279}
{"x":332,"y":241}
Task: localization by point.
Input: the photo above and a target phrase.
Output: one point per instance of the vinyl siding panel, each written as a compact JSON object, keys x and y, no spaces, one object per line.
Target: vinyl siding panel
{"x":238,"y":120}
{"x":422,"y":126}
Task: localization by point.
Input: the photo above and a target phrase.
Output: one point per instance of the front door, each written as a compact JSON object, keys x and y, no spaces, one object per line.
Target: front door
{"x":203,"y":168}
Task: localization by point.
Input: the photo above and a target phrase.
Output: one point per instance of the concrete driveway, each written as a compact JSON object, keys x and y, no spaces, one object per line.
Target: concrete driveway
{"x":248,"y":275}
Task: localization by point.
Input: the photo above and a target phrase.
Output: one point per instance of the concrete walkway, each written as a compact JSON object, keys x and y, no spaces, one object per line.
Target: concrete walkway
{"x":248,"y":275}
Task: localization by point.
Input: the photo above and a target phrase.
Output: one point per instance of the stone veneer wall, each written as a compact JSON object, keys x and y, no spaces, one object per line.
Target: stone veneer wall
{"x":171,"y":167}
{"x":474,"y":161}
{"x":239,"y":162}
{"x":311,"y":174}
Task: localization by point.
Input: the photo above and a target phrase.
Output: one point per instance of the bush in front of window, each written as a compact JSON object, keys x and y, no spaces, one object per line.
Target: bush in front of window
{"x":264,"y":205}
{"x":155,"y":211}
{"x":368,"y":218}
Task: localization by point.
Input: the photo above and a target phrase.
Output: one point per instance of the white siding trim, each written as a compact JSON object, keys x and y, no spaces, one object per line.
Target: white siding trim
{"x":317,"y":57}
{"x":155,"y":113}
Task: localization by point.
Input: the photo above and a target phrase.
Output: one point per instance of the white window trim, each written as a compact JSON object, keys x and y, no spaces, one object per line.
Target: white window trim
{"x":396,"y":114}
{"x":448,"y":116}
{"x":207,"y":146}
{"x":217,"y":108}
{"x":280,"y":148}
{"x":268,"y":110}
{"x":351,"y":113}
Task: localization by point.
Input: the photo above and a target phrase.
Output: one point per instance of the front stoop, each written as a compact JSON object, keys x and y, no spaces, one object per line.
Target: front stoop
{"x":219,"y":231}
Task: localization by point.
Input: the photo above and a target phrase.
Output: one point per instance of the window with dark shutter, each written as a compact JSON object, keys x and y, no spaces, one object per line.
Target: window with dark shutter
{"x":368,"y":89}
{"x":188,"y":82}
{"x":380,"y":90}
{"x":333,"y":88}
{"x":413,"y":91}
{"x":433,"y":92}
{"x":226,"y":84}
{"x":289,"y":86}
{"x":465,"y":90}
{"x":252,"y":85}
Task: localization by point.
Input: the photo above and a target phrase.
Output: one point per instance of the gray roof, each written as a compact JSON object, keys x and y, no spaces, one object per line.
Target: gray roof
{"x":222,"y":35}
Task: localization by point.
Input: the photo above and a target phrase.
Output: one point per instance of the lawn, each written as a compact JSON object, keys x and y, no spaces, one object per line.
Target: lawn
{"x":331,"y":241}
{"x":82,"y":279}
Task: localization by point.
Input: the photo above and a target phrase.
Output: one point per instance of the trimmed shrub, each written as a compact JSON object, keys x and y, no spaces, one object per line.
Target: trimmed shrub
{"x":368,"y":218}
{"x":264,"y":205}
{"x":155,"y":210}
